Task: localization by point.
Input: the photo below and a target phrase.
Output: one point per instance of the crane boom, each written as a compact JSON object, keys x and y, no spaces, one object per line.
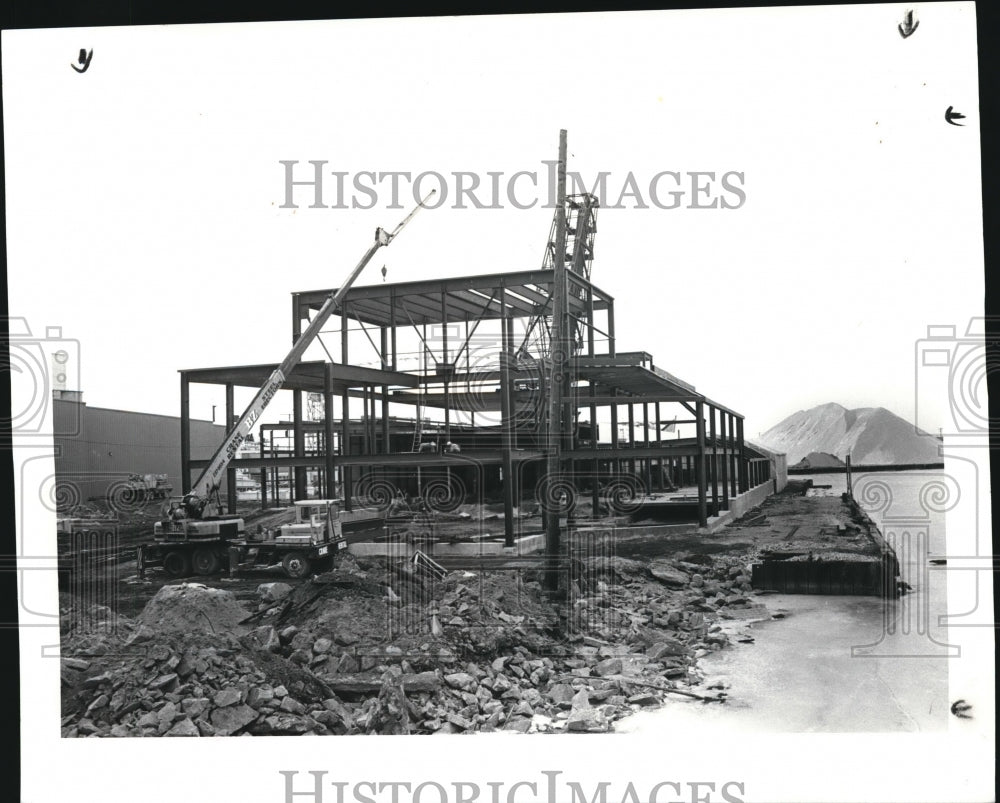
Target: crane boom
{"x":206,"y":487}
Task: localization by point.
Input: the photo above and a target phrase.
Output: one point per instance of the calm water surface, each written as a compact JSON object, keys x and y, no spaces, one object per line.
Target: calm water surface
{"x":839,"y":663}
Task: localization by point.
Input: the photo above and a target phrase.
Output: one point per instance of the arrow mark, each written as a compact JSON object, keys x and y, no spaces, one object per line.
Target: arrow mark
{"x":907,"y":26}
{"x":84,"y":60}
{"x":959,"y":709}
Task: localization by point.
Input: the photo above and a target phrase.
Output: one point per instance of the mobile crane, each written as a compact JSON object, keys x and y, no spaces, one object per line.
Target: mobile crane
{"x":195,"y":535}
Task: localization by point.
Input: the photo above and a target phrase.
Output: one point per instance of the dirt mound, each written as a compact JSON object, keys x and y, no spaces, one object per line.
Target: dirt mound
{"x":193,"y":607}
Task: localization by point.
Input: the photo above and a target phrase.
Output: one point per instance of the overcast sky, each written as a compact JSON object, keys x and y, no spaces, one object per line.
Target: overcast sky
{"x":144,"y":195}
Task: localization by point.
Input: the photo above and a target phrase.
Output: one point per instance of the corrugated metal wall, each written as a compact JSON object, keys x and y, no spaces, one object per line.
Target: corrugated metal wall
{"x":97,"y":447}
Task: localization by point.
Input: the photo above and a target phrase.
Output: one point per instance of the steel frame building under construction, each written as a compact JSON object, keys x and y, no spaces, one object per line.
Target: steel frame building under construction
{"x":490,"y":347}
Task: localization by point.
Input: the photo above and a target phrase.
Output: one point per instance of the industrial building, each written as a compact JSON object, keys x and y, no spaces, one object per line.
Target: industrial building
{"x":96,"y":449}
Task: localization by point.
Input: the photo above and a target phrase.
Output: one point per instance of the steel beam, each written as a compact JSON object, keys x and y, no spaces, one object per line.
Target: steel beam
{"x":485,"y":457}
{"x":484,"y":282}
{"x":305,"y":376}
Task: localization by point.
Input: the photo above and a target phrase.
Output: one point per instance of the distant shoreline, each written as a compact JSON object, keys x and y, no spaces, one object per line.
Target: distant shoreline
{"x":862,"y":468}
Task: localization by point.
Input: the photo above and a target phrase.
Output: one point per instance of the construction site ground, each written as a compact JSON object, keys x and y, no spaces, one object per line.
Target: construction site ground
{"x":379,"y":646}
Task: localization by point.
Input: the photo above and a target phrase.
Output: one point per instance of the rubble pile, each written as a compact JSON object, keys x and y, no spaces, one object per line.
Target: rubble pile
{"x":192,"y":607}
{"x":380,"y":649}
{"x":85,"y":510}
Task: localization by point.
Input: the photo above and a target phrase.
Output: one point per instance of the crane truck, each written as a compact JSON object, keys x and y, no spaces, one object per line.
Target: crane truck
{"x":195,"y":535}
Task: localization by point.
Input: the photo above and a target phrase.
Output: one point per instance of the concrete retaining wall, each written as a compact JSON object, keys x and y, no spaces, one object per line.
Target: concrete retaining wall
{"x":522,"y":546}
{"x":779,"y":468}
{"x":741,"y":504}
{"x":536,"y":542}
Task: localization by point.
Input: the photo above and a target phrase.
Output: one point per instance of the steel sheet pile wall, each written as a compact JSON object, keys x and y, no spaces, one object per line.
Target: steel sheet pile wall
{"x":868,"y":575}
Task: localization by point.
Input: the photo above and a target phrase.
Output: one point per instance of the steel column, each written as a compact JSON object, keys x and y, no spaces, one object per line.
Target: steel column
{"x":506,"y":425}
{"x":647,"y":471}
{"x":631,"y":437}
{"x":614,"y":465}
{"x":557,"y":367}
{"x":330,"y":491}
{"x":713,"y":464}
{"x":700,"y":464}
{"x":185,"y":434}
{"x":298,"y":448}
{"x":345,"y":423}
{"x":741,"y":445}
{"x":611,"y":328}
{"x":659,"y":442}
{"x":263,"y":478}
{"x":511,"y":395}
{"x":230,"y":472}
{"x":733,"y":462}
{"x":724,"y":437}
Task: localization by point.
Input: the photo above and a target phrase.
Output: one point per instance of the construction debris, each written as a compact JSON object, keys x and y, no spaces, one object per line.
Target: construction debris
{"x":338,"y":655}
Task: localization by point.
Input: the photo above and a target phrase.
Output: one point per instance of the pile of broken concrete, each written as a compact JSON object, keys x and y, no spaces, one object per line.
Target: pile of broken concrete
{"x":356,"y":653}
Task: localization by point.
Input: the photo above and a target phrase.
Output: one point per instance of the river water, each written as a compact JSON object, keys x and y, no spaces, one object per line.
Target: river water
{"x":840,"y":663}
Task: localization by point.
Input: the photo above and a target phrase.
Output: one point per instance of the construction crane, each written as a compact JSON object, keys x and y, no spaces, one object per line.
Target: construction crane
{"x":581,"y":229}
{"x":203,"y":500}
